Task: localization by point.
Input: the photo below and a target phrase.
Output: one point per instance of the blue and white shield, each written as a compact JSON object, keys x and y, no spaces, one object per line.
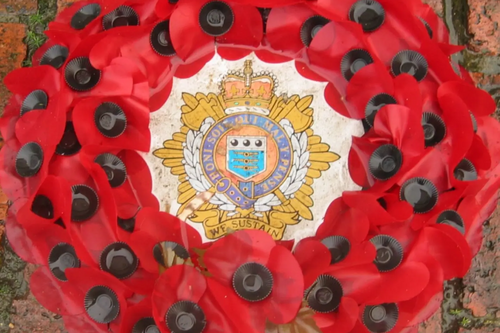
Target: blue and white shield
{"x":246,"y":155}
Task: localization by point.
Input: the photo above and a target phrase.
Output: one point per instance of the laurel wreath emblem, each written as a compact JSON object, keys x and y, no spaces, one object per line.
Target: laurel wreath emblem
{"x":294,"y":181}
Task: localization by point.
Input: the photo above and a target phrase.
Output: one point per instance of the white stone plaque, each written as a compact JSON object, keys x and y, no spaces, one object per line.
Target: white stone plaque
{"x":260,"y":140}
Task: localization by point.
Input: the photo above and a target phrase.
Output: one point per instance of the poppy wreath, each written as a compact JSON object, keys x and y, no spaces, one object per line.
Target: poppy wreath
{"x":110,"y":260}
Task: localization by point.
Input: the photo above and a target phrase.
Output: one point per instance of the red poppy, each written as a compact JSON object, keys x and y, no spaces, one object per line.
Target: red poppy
{"x":24,"y":167}
{"x":129,"y":131}
{"x":135,"y":44}
{"x":451,"y":150}
{"x":342,"y":220}
{"x":102,"y":301}
{"x":36,"y":110}
{"x":283,"y":32}
{"x":183,"y":289}
{"x":391,"y":126}
{"x":48,"y":206}
{"x":354,"y":283}
{"x":476,"y":208}
{"x":138,"y":315}
{"x":19,"y":241}
{"x":279,"y":296}
{"x":84,"y":18}
{"x":128,"y":175}
{"x":380,"y":208}
{"x":237,"y":34}
{"x":396,"y":316}
{"x":118,"y":77}
{"x":153,"y":227}
{"x":55,"y":50}
{"x":94,"y":230}
{"x":325,"y":51}
{"x":52,"y":248}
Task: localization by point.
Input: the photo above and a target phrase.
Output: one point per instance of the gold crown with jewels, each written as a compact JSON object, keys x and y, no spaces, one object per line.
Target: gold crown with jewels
{"x":246,"y":90}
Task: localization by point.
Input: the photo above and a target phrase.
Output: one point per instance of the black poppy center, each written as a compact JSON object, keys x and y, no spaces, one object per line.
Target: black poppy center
{"x":380,"y":318}
{"x":42,"y":206}
{"x":465,"y":171}
{"x":110,"y":119}
{"x":385,"y":162}
{"x":101,"y":304}
{"x":370,"y":14}
{"x":145,"y":325}
{"x":409,"y":68}
{"x":104,"y":302}
{"x":338,"y":246}
{"x":429,"y":131}
{"x":84,"y":203}
{"x":126,"y":224}
{"x":324,"y":295}
{"x":185,"y":321}
{"x":119,"y":260}
{"x":389,"y":252}
{"x":120,"y":21}
{"x":109,"y":172}
{"x":216,"y":18}
{"x":253,"y":281}
{"x":61,"y":257}
{"x":163,"y":38}
{"x":55,"y":56}
{"x":34,"y":162}
{"x":80,"y":203}
{"x":69,"y":144}
{"x":377,"y":314}
{"x":336,"y":254}
{"x":29,"y":159}
{"x":417,"y":194}
{"x":384,"y":255}
{"x":83,"y":76}
{"x":388,"y":164}
{"x":453,"y":219}
{"x":357,"y":65}
{"x":420,"y":193}
{"x":107,"y":121}
{"x":185,"y":316}
{"x":113,"y":167}
{"x":315,"y":30}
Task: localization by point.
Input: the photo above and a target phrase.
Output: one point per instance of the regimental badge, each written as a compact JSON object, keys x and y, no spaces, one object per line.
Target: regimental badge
{"x":255,"y":151}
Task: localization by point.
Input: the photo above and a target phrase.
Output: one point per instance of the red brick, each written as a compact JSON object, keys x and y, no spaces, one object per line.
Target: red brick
{"x":482,"y":283}
{"x":18,"y":7}
{"x":63,"y":4}
{"x":30,"y":316}
{"x":437,"y":5}
{"x":484,"y":16}
{"x":12,"y":53}
{"x":432,"y":325}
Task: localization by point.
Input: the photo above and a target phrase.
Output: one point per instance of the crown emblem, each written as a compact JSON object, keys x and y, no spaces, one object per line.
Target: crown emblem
{"x":248,"y":91}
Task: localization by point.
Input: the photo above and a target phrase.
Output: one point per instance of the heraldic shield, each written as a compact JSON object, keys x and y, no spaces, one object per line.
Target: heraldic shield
{"x":246,"y":155}
{"x":252,"y":151}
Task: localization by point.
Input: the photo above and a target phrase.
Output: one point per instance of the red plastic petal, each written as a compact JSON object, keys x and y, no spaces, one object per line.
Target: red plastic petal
{"x":287,"y":294}
{"x":245,"y":245}
{"x":189,"y":40}
{"x":54,"y":295}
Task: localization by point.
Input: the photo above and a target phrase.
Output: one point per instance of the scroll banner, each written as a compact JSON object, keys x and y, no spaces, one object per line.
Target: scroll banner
{"x":216,"y":227}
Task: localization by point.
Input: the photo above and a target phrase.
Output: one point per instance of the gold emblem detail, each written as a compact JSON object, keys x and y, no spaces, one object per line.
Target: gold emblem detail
{"x":253,"y":152}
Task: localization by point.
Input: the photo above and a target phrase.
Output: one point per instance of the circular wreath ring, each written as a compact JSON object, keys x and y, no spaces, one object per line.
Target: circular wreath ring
{"x":110,"y":260}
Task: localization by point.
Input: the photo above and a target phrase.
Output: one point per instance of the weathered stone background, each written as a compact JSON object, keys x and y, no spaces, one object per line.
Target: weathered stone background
{"x":471,"y":305}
